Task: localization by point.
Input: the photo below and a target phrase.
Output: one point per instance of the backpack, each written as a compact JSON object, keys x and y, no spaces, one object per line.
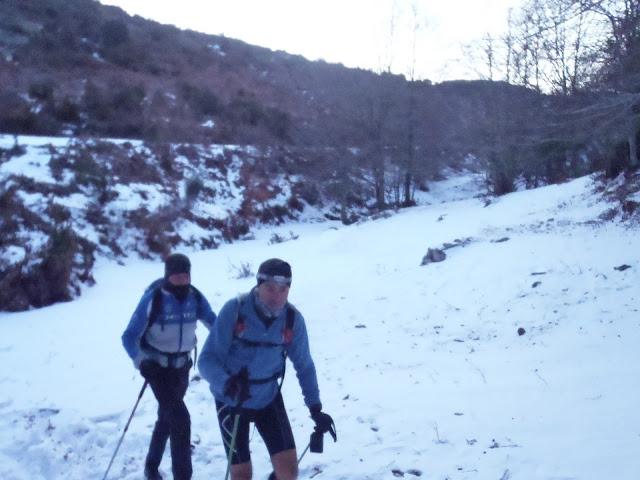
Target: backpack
{"x":156,"y":301}
{"x":287,"y":338}
{"x":156,"y":305}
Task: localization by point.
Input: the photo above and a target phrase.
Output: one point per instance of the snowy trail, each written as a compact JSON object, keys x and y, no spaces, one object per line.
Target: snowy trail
{"x":422,"y":368}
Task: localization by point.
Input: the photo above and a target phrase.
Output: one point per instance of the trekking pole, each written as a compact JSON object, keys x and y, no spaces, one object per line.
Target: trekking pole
{"x":126,"y":427}
{"x":303,"y":452}
{"x":232,"y":445}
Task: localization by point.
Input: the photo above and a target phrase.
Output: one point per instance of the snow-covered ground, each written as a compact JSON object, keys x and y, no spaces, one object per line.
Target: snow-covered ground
{"x":421,"y":367}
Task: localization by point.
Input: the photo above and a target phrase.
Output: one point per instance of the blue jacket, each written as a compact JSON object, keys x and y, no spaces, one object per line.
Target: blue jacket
{"x":225,"y":353}
{"x":172,"y":331}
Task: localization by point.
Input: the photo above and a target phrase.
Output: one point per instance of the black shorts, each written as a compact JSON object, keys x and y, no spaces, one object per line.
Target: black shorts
{"x":272,"y":423}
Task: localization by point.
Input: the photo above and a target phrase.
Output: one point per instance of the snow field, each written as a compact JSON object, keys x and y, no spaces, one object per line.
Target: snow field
{"x":422,"y":368}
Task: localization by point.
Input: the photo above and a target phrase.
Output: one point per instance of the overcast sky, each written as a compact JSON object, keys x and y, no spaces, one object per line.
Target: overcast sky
{"x":355,"y":33}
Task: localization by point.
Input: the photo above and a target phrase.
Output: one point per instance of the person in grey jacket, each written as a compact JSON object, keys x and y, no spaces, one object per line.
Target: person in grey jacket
{"x":159,"y":339}
{"x":243,"y":359}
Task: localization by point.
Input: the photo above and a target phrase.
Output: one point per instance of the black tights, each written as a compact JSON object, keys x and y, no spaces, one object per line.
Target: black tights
{"x":169,"y":386}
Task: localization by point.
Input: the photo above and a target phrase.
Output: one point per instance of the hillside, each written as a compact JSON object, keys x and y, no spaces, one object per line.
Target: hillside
{"x":81,"y":67}
{"x":67,"y":202}
{"x":77,"y":67}
{"x":144,"y":138}
{"x":422,"y":367}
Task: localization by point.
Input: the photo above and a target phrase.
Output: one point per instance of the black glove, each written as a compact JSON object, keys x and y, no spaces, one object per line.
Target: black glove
{"x":149,"y":369}
{"x":237,"y":386}
{"x":324,"y":422}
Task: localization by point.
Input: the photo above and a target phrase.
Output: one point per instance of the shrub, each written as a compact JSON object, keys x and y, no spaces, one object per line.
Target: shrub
{"x":67,"y":111}
{"x":501,"y":174}
{"x":128,"y":55}
{"x":16,"y":150}
{"x":96,"y":103}
{"x":133,"y":166}
{"x":159,"y":234}
{"x":13,"y":298}
{"x":57,"y":164}
{"x":234,"y":227}
{"x":308,"y":191}
{"x":95,"y":214}
{"x":54,"y":275}
{"x":192,"y":188}
{"x":58,"y":262}
{"x":48,"y":281}
{"x":278,"y":123}
{"x":242,"y":271}
{"x":114,"y":33}
{"x":276,"y":238}
{"x":88,"y":171}
{"x":10,"y":205}
{"x":164,"y":153}
{"x":201,"y":100}
{"x":294,"y":204}
{"x":42,"y":90}
{"x":129,"y":98}
{"x":15,"y":114}
{"x":247,"y":110}
{"x":188,"y":151}
{"x":58,"y":213}
{"x":275,"y":214}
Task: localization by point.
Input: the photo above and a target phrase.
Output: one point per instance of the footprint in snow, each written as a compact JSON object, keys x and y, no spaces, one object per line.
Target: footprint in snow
{"x":412,"y":471}
{"x":109,"y":417}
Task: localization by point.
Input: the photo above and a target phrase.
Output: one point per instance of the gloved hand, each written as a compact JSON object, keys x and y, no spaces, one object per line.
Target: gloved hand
{"x":237,"y":386}
{"x":148,"y":368}
{"x":324,"y":422}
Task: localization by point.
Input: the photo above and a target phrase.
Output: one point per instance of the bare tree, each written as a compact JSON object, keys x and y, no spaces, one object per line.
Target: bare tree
{"x":621,"y":70}
{"x":489,"y":54}
{"x":508,"y":41}
{"x":416,"y":26}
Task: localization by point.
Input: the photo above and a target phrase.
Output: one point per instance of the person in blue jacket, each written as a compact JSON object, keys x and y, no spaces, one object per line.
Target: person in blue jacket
{"x":159,"y":340}
{"x":242,"y":360}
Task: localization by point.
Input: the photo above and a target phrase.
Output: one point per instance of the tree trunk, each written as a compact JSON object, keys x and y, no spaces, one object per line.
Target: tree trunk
{"x":380,"y":184}
{"x":408,"y":182}
{"x":633,"y":149}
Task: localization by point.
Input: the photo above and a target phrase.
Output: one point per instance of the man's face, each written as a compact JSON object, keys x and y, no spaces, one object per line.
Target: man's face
{"x":273,"y":295}
{"x":179,"y":279}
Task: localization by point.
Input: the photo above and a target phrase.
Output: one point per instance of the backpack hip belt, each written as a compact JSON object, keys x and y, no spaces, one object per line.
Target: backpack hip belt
{"x":166,"y":360}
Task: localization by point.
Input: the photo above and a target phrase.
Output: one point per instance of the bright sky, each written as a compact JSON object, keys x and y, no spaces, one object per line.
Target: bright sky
{"x":355,"y":33}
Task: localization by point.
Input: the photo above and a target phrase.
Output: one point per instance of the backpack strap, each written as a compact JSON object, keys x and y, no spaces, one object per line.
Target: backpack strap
{"x":239,"y":326}
{"x":287,"y":334}
{"x":156,"y":306}
{"x":287,"y":337}
{"x":198,"y":295}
